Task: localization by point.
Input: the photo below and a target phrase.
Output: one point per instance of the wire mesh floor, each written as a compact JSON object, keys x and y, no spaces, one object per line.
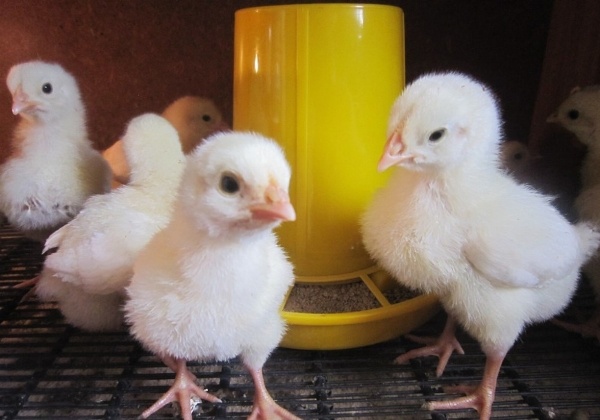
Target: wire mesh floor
{"x":49,"y":370}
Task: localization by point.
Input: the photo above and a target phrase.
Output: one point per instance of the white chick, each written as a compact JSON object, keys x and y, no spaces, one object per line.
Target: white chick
{"x":94,"y":253}
{"x":194,"y":118}
{"x":580,"y":114}
{"x":209,"y":285}
{"x":453,"y":223}
{"x":54,"y":167}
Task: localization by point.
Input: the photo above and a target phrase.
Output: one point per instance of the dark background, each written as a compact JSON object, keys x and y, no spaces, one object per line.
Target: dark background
{"x":137,"y":56}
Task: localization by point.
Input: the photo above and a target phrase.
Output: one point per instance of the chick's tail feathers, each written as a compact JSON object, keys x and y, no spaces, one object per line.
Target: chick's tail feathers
{"x":589,"y":239}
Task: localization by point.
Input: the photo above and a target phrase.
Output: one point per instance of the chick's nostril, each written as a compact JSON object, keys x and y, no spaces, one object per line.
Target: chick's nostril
{"x":396,"y":148}
{"x":275,"y":194}
{"x":394,"y":145}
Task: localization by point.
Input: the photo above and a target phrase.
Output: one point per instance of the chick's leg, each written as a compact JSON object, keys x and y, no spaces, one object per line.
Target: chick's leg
{"x":182,"y":389}
{"x":27,"y":283}
{"x":264,"y":406}
{"x":442,"y":347}
{"x":482,"y":397}
{"x":589,"y":328}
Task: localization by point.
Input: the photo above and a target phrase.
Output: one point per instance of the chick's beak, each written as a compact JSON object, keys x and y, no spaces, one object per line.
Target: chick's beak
{"x":393,"y":152}
{"x":21,"y":102}
{"x":553,"y":118}
{"x":275,"y":206}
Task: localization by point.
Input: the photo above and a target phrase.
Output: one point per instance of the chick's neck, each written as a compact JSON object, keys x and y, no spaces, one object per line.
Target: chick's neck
{"x":220,"y":231}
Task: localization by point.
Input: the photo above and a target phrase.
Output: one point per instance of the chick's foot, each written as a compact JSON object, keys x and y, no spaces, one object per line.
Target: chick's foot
{"x":182,"y":390}
{"x":589,"y":328}
{"x":265,"y":407}
{"x":442,"y":347}
{"x":480,"y":398}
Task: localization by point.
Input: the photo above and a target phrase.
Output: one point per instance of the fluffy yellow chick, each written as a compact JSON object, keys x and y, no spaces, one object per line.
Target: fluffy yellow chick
{"x":451,"y":222}
{"x":91,"y":259}
{"x":209,"y":286}
{"x":580,"y":114}
{"x":53,"y":168}
{"x":194,"y":118}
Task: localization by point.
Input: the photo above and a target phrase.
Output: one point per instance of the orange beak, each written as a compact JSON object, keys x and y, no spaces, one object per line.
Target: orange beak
{"x":21,"y":102}
{"x":392,"y":152}
{"x":275,"y":206}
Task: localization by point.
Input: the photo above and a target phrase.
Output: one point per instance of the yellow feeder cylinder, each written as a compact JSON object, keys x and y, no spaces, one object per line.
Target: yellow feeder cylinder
{"x":320,"y":79}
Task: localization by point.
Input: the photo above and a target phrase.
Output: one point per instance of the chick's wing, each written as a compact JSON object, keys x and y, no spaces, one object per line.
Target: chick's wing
{"x":521,"y":242}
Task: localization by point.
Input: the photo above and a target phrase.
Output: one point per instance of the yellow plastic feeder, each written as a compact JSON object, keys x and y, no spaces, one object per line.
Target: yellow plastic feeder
{"x":320,"y":79}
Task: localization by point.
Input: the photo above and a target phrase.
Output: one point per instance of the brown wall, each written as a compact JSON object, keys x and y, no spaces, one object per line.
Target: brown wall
{"x":138,"y":55}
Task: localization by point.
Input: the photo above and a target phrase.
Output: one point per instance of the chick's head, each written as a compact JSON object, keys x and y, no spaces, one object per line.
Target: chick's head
{"x":43,"y":91}
{"x":195,"y":118}
{"x":580,"y":113}
{"x":237,"y":182}
{"x":439,"y":121}
{"x":151,"y":146}
{"x":515,"y":156}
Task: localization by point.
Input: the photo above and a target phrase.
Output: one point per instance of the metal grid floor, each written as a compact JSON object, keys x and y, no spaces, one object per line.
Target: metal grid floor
{"x":49,"y":370}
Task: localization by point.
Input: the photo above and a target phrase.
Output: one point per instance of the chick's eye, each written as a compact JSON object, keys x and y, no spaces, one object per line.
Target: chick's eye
{"x":229,"y":184}
{"x":206,"y":118}
{"x":437,"y":134}
{"x":573,"y":114}
{"x":47,"y":88}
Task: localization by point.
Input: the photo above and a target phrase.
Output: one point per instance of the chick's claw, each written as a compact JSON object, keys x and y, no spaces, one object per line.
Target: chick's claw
{"x":480,"y":400}
{"x":31,"y":204}
{"x":264,"y":406}
{"x":269,"y":409}
{"x":442,"y":347}
{"x":182,"y":390}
